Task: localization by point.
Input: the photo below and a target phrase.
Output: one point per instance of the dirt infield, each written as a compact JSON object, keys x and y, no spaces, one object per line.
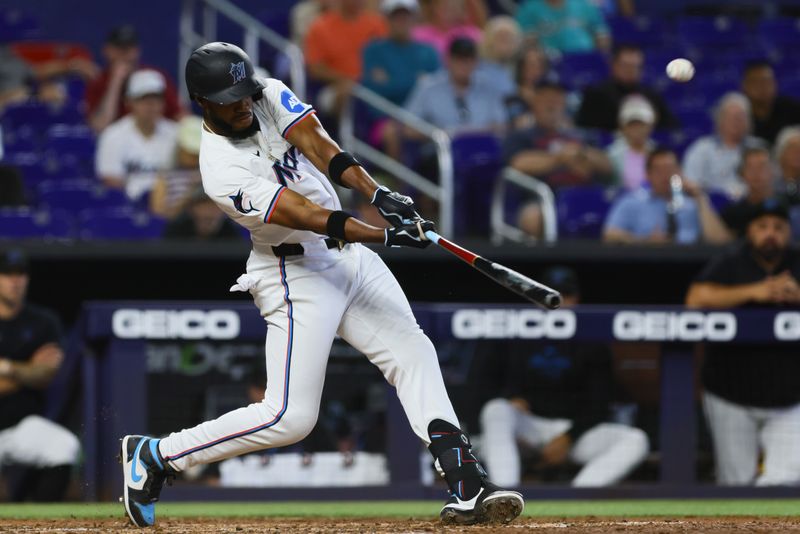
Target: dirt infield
{"x":399,"y":526}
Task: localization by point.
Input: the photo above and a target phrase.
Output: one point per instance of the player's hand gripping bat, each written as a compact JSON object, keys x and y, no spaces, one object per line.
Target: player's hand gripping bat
{"x":522,"y":285}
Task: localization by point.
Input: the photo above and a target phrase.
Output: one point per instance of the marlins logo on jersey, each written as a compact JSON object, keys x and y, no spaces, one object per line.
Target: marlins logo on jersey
{"x":238,"y":203}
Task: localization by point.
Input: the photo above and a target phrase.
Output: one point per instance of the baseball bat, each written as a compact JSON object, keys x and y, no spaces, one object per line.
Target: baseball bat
{"x":532,"y":290}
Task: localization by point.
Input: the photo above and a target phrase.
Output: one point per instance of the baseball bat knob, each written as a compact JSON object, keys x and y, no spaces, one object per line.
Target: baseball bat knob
{"x":553,"y":301}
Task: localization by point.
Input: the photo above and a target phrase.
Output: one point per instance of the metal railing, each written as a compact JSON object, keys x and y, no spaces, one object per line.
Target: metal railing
{"x":443,"y":191}
{"x":501,"y":230}
{"x":254,"y":33}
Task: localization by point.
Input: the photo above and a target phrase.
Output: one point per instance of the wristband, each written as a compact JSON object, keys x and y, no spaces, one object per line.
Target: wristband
{"x":340,"y":163}
{"x":335,"y":226}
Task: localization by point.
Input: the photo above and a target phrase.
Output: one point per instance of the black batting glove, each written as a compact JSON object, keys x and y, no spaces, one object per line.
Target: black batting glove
{"x":396,"y":208}
{"x":411,"y":234}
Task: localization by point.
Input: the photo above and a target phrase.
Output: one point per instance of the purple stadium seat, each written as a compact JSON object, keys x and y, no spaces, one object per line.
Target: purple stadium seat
{"x":719,"y":200}
{"x":580,"y":70}
{"x":16,"y":25}
{"x":779,"y":32}
{"x":78,"y":195}
{"x":477,"y":159}
{"x":581,"y":211}
{"x":642,"y":31}
{"x":713,"y":31}
{"x":24,"y":223}
{"x":119,"y":223}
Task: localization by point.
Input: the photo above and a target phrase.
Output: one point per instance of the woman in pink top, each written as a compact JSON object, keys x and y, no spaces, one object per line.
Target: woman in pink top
{"x":444,"y":20}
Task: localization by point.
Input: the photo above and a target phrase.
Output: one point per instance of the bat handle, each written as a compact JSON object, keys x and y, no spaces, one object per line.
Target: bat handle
{"x":432,"y":236}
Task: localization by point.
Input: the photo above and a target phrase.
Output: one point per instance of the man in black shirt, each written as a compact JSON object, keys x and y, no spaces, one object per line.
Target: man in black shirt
{"x":757,"y":173}
{"x":771,"y":112}
{"x":752,"y":392}
{"x":30,"y":354}
{"x":555,"y":403}
{"x":601,"y":103}
{"x":202,"y":219}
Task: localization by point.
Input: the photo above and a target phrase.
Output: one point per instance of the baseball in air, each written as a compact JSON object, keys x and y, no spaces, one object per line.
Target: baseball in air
{"x":680,"y":70}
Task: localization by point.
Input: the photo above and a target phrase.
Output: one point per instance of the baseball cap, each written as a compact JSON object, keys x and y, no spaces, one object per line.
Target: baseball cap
{"x":463,"y":47}
{"x":771,"y":206}
{"x":390,"y":6}
{"x":13,"y":261}
{"x":145,"y":82}
{"x":562,"y":279}
{"x":189,"y":133}
{"x":636,"y":108}
{"x":123,"y":36}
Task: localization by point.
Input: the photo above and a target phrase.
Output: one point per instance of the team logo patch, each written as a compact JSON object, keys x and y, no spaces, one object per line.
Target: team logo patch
{"x":237,"y":72}
{"x":291,"y":102}
{"x":238,"y":203}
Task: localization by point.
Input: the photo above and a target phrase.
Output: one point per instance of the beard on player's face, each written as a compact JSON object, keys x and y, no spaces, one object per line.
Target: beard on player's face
{"x":235,"y":120}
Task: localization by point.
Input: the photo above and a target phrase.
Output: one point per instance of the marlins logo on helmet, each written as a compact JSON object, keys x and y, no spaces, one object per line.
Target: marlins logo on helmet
{"x":238,"y":71}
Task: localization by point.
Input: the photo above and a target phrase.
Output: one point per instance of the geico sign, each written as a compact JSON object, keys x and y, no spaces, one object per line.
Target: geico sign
{"x":678,"y":326}
{"x":787,"y":326}
{"x":505,"y":324}
{"x":175,"y":324}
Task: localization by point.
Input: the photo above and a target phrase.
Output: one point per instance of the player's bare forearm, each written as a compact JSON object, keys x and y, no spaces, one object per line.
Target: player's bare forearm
{"x":314,"y":142}
{"x":35,"y":373}
{"x":297,"y":212}
{"x":709,"y":295}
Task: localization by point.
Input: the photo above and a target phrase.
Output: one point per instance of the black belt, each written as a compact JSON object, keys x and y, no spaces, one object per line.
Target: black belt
{"x":296,"y":249}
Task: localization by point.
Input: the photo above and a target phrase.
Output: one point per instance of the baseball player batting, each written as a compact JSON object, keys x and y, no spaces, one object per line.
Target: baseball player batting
{"x":268,"y":163}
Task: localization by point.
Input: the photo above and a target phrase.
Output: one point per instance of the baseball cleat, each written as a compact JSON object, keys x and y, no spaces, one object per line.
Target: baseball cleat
{"x":490,"y":505}
{"x":144,"y":475}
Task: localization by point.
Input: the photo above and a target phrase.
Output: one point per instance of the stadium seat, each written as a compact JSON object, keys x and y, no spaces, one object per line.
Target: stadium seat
{"x":477,"y":159}
{"x":779,"y":32}
{"x":579,"y":70}
{"x":704,"y":32}
{"x":16,"y":25}
{"x":641,"y":30}
{"x":78,"y":195}
{"x":25,"y":223}
{"x":719,"y":200}
{"x":119,"y":223}
{"x":581,"y":211}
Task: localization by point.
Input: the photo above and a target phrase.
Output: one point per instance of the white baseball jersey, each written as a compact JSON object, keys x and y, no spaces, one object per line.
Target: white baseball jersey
{"x":246,"y":177}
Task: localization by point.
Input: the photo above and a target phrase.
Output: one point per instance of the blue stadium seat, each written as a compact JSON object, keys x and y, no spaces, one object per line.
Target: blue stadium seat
{"x":25,"y":223}
{"x":641,"y":30}
{"x":78,"y":195}
{"x":579,"y":70}
{"x":16,"y":25}
{"x":581,"y":211}
{"x":719,"y":200}
{"x":477,"y":159}
{"x":119,"y":223}
{"x":713,"y":31}
{"x":779,"y":32}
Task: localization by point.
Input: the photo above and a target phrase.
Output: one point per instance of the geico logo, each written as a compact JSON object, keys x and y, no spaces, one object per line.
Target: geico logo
{"x":787,"y":326}
{"x":678,"y":326}
{"x":505,"y":324}
{"x":175,"y":324}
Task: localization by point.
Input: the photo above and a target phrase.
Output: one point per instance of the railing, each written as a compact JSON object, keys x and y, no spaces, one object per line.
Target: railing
{"x":254,"y":32}
{"x":501,"y":229}
{"x":443,"y":192}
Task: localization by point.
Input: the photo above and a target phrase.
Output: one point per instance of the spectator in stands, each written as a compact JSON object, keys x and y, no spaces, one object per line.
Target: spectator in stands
{"x":30,"y":356}
{"x":600,"y":104}
{"x":445,"y":20}
{"x":501,"y":43}
{"x":550,"y":150}
{"x":769,"y":111}
{"x":454,"y":99}
{"x":628,"y":152}
{"x":672,"y":210}
{"x":787,"y":156}
{"x":105,"y":102}
{"x":530,"y":67}
{"x":712,"y":160}
{"x":758,"y":175}
{"x":201,"y":219}
{"x":174,"y":188}
{"x":752,"y":392}
{"x":303,"y":14}
{"x":565,"y":25}
{"x":556,"y":402}
{"x":334,"y":48}
{"x":132,"y":150}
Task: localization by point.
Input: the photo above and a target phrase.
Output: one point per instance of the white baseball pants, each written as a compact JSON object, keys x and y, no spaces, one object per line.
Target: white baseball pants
{"x":608,"y":451}
{"x":740,"y":432}
{"x":38,"y":442}
{"x":306,"y":300}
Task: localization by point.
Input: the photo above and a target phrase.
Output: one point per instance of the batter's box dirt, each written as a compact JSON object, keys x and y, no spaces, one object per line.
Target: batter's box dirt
{"x":398,"y":526}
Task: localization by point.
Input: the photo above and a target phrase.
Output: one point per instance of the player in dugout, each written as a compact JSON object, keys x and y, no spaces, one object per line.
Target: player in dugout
{"x":752,"y":392}
{"x":30,"y":355}
{"x":269,"y":164}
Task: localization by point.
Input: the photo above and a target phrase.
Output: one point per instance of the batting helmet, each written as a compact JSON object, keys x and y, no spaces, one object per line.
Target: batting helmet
{"x":221,"y":73}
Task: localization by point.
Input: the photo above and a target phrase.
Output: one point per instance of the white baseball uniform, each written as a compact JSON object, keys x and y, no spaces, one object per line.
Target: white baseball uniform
{"x":306,"y":299}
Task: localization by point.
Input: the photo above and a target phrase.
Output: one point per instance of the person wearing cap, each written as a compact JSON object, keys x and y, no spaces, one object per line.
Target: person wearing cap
{"x":758,"y":176}
{"x":629,"y":150}
{"x":30,"y":355}
{"x":752,"y":392}
{"x":132,"y":150}
{"x":671,"y":210}
{"x":173,"y":188}
{"x":201,"y":219}
{"x":455,"y":100}
{"x":105,"y":95}
{"x":555,"y":403}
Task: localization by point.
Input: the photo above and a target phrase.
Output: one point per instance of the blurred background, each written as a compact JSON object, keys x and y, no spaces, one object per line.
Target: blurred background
{"x":543,"y":134}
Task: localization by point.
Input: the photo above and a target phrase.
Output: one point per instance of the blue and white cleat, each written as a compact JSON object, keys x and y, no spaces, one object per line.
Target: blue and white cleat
{"x":144,"y":473}
{"x":490,"y":505}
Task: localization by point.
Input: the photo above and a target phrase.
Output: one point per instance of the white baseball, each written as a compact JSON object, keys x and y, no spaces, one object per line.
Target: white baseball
{"x":680,"y":70}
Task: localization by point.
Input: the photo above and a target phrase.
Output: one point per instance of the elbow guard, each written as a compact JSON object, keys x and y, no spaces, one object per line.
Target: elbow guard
{"x":340,"y":163}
